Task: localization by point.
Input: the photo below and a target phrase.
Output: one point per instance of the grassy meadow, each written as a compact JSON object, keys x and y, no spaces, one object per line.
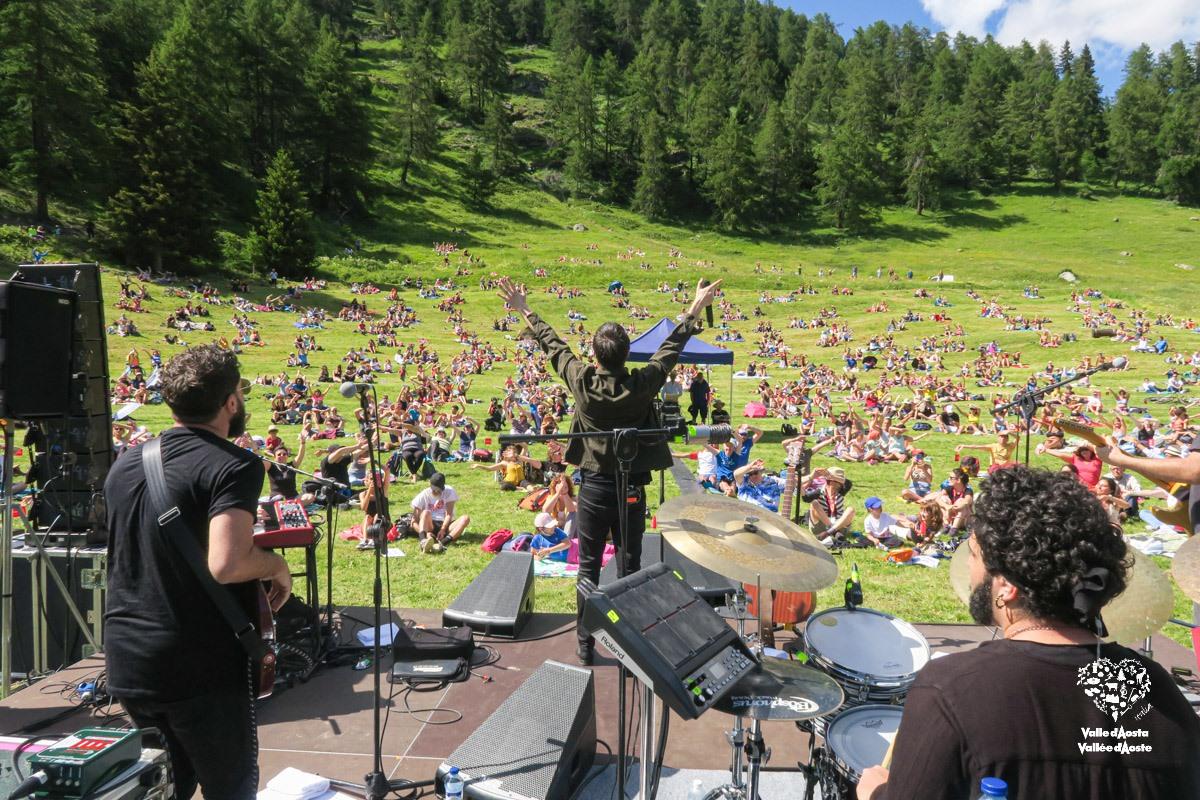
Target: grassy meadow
{"x":997,"y":248}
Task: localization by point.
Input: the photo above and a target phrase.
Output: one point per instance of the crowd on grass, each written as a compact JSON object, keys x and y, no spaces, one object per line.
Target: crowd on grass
{"x":872,"y":406}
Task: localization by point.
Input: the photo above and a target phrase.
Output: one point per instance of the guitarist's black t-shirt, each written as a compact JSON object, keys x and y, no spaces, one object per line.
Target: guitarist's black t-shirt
{"x":164,"y":638}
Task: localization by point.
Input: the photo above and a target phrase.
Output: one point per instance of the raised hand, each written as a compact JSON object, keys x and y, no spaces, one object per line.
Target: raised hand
{"x":513,"y":296}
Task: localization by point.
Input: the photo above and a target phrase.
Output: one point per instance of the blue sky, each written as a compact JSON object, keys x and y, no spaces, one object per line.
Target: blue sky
{"x":1113,"y":28}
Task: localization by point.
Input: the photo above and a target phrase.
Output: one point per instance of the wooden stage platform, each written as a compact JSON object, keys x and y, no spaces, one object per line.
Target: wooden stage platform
{"x":324,"y":726}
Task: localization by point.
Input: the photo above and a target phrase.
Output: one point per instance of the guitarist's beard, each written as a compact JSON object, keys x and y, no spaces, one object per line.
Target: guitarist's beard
{"x":237,"y":423}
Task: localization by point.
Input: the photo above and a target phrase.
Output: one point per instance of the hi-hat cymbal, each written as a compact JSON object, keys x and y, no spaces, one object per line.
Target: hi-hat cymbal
{"x":780,"y":689}
{"x":1186,"y":568}
{"x":1139,"y":611}
{"x":960,"y":572}
{"x":743,"y":542}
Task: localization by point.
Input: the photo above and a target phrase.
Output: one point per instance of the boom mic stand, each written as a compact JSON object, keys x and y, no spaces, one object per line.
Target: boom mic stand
{"x":1028,"y":403}
{"x":376,"y":785}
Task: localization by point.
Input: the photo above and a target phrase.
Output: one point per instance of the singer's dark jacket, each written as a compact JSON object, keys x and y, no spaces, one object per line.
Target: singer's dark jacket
{"x":606,"y":400}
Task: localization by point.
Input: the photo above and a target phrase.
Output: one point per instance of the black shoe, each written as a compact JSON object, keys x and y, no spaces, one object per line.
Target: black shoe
{"x":583,"y":652}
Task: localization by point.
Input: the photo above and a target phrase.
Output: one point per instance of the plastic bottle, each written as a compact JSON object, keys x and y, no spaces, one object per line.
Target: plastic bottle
{"x":453,"y":787}
{"x":697,"y":790}
{"x":993,"y":789}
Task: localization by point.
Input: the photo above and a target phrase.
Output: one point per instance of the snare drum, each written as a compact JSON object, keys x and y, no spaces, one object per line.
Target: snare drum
{"x":874,"y":656}
{"x":857,"y":738}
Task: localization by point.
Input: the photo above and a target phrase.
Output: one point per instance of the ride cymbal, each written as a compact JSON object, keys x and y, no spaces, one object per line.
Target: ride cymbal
{"x":746,"y":543}
{"x":780,"y":689}
{"x":1139,"y":611}
{"x":1186,"y":568}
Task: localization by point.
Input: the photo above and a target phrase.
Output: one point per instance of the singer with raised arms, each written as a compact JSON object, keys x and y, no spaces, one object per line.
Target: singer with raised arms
{"x":609,"y":396}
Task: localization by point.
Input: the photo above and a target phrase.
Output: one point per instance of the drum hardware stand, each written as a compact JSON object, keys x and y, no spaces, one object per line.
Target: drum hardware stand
{"x":6,"y":566}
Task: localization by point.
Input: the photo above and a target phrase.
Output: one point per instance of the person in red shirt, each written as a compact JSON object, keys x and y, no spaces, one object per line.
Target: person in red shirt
{"x":1087,"y":464}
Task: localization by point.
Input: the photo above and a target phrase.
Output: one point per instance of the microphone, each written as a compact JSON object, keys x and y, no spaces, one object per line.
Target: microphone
{"x":1103,"y":333}
{"x":350,"y":389}
{"x":852,"y":595}
{"x":708,"y":312}
{"x":1117,"y":363}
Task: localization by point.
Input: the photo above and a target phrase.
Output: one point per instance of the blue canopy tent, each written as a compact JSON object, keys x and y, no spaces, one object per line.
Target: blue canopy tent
{"x":695,"y":352}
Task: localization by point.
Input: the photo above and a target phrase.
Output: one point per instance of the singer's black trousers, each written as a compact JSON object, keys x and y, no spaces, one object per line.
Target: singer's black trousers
{"x":596,"y":521}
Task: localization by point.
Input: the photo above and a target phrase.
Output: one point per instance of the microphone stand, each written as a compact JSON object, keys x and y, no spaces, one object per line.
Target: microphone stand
{"x":625,"y":446}
{"x":376,"y":785}
{"x":1028,"y":403}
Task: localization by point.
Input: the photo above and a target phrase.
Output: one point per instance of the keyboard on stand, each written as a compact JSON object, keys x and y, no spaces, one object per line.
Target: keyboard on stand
{"x":292,"y":527}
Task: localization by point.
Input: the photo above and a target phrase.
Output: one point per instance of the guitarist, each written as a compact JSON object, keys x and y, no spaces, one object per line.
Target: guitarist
{"x":1168,"y":470}
{"x":172,"y":660}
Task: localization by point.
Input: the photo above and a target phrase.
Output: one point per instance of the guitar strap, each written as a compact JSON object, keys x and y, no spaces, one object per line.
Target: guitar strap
{"x":170,"y":523}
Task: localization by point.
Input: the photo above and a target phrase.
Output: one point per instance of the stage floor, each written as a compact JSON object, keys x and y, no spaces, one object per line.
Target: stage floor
{"x":325,"y":726}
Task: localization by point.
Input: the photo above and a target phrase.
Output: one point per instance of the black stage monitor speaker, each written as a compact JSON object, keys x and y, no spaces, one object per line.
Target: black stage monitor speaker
{"x":539,"y":744}
{"x":499,"y":601}
{"x":708,"y":584}
{"x":36,"y":325}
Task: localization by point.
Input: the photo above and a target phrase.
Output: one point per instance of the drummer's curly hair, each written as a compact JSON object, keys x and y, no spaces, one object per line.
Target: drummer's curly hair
{"x":1043,"y":531}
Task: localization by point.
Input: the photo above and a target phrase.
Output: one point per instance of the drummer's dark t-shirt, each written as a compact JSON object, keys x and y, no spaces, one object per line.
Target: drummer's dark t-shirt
{"x":164,"y":639}
{"x":1018,"y":711}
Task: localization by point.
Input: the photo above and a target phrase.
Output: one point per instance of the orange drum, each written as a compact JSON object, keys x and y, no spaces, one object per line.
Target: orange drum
{"x":788,"y":608}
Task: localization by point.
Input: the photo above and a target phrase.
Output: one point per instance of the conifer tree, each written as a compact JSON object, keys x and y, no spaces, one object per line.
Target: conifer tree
{"x":52,"y":93}
{"x":337,"y":124}
{"x":729,"y":183}
{"x":1136,"y":118}
{"x":416,"y":107}
{"x":283,"y":237}
{"x":652,"y":193}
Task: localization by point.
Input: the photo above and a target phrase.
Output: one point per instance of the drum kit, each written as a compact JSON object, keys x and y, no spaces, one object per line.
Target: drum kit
{"x":856,"y":664}
{"x":860,"y":662}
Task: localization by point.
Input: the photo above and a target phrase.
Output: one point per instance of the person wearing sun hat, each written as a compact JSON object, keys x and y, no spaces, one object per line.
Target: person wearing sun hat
{"x":829,"y":516}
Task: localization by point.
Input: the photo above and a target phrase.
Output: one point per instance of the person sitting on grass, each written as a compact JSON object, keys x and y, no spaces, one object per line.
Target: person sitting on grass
{"x":825,"y":490}
{"x":706,"y":458}
{"x":1002,"y":452}
{"x":549,"y":540}
{"x":370,"y":503}
{"x":433,"y":508}
{"x":511,"y":469}
{"x":755,"y":486}
{"x":560,"y":502}
{"x":956,"y":500}
{"x":881,"y":528}
{"x":919,"y":477}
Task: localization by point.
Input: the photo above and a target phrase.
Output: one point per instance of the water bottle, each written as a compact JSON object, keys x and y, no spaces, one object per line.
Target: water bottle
{"x":453,"y":787}
{"x":990,"y":789}
{"x":697,"y":790}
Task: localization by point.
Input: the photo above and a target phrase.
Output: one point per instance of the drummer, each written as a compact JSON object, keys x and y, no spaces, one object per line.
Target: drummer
{"x":1030,"y":708}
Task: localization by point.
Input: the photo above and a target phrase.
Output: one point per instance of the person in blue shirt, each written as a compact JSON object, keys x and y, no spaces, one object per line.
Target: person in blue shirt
{"x":755,"y":486}
{"x":747,"y":437}
{"x":726,"y":464}
{"x":550,"y":541}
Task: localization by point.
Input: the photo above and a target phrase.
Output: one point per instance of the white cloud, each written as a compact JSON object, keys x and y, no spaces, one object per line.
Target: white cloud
{"x":1124,"y":24}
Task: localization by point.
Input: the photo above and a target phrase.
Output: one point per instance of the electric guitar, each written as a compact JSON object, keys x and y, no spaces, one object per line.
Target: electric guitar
{"x":265,"y":622}
{"x":1178,"y":516}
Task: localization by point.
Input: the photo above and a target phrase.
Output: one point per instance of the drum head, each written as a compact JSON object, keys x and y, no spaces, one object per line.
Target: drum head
{"x":867,"y":642}
{"x":859,"y":737}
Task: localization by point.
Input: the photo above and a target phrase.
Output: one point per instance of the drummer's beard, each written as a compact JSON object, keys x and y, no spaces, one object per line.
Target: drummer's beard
{"x":980,"y":605}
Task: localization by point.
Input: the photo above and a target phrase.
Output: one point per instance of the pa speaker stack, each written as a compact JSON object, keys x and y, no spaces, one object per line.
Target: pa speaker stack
{"x":77,"y":429}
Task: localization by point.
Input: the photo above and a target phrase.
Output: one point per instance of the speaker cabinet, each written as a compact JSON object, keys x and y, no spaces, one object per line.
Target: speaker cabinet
{"x":499,"y":601}
{"x":539,"y":744}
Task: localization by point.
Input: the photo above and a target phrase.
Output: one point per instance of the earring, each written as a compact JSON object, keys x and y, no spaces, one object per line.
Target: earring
{"x":999,"y":602}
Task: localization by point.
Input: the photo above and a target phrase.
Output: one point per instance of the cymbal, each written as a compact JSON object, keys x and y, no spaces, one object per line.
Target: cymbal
{"x":1145,"y":605}
{"x":1142,"y":609}
{"x":1186,"y":568}
{"x":743,"y":542}
{"x":780,"y":689}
